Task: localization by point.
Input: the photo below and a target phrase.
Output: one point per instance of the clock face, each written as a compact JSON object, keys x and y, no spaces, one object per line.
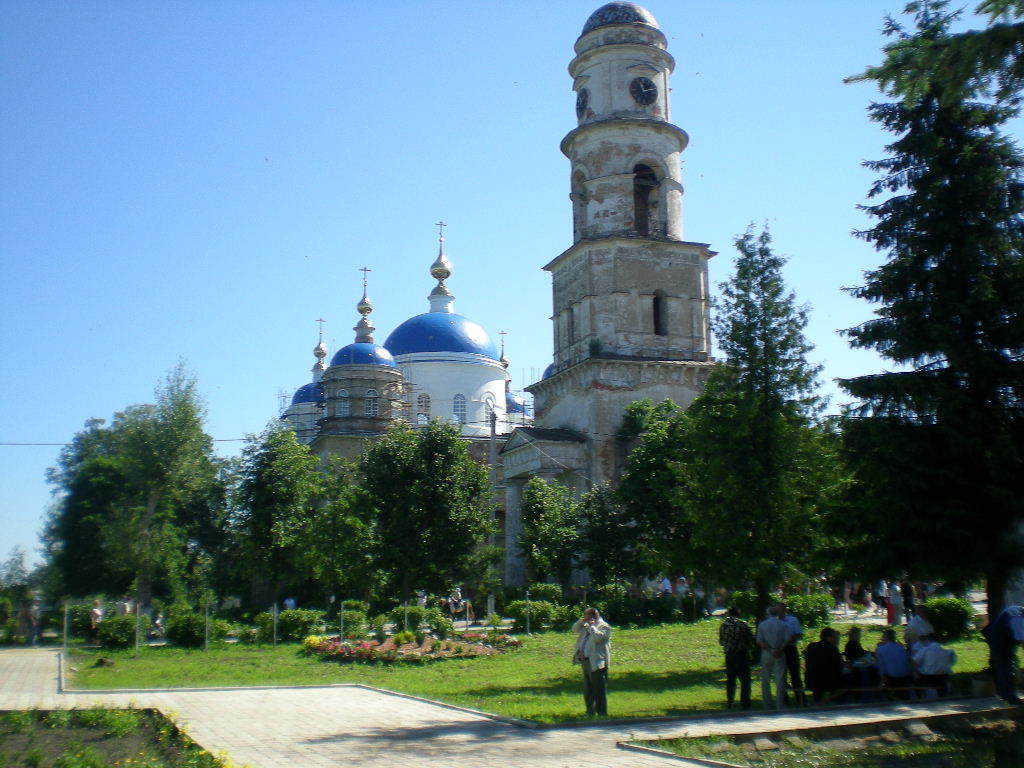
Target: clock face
{"x":582,"y":100}
{"x":643,"y":90}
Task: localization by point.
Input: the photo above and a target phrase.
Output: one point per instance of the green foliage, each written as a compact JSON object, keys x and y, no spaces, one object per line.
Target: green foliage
{"x":188,"y":629}
{"x":355,"y":605}
{"x":78,"y":756}
{"x":494,"y":620}
{"x":403,"y":637}
{"x":542,"y":613}
{"x":746,"y":603}
{"x":548,"y":540}
{"x":440,"y":625}
{"x":297,"y":623}
{"x":811,"y":610}
{"x":428,"y":502}
{"x":264,"y":626}
{"x":376,"y":627}
{"x":119,"y":631}
{"x":17,"y":721}
{"x":951,"y":617}
{"x":608,"y":537}
{"x":58,"y":718}
{"x":6,"y":610}
{"x":937,"y":442}
{"x":552,"y":593}
{"x":355,"y":623}
{"x":416,"y":615}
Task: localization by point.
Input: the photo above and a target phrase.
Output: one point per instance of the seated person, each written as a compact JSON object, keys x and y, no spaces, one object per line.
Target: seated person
{"x":917,"y":627}
{"x":894,"y":664}
{"x":933,"y":664}
{"x":854,"y":651}
{"x":823,"y":665}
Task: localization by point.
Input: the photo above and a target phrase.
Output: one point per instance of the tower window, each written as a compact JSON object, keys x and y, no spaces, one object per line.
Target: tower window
{"x":645,"y":183}
{"x":459,"y":408}
{"x":422,"y":419}
{"x":371,"y":403}
{"x":342,"y":407}
{"x":423,"y":406}
{"x":659,"y":311}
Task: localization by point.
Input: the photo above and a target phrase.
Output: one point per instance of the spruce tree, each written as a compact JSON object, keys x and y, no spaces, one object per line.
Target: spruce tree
{"x":937,"y":443}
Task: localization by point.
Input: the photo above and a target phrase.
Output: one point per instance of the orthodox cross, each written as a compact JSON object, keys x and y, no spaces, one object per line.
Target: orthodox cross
{"x":502,"y":334}
{"x":365,"y":271}
{"x":320,"y":321}
{"x":440,"y":229}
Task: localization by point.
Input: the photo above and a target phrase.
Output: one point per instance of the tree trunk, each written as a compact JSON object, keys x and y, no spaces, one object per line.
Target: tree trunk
{"x":144,"y":588}
{"x":763,"y":599}
{"x":995,"y":586}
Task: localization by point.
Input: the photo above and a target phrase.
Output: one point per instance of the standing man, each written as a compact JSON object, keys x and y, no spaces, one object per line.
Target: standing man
{"x":593,"y":652}
{"x":772,"y":638}
{"x":909,"y":598}
{"x":792,"y":654}
{"x":1003,"y":635}
{"x":737,"y":641}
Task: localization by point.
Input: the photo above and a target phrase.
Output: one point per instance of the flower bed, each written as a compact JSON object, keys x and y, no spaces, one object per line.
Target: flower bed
{"x":469,"y":645}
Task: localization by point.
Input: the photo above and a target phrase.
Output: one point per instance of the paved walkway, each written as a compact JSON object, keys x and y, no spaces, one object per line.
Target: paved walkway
{"x":354,"y":726}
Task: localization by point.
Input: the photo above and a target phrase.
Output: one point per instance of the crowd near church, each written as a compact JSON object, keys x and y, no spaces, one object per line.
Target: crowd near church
{"x":644,"y":457}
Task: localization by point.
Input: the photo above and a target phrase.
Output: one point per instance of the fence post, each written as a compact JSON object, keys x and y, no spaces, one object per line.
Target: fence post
{"x":206,"y":631}
{"x":528,"y":612}
{"x":275,"y":623}
{"x":66,"y":613}
{"x":341,"y":622}
{"x":405,"y":625}
{"x":138,"y":622}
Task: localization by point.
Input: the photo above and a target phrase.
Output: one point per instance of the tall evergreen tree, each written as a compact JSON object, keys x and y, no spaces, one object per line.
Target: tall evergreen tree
{"x":548,"y":540}
{"x":939,"y":447}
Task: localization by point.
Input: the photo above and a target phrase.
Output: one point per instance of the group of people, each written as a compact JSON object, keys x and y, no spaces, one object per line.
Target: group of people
{"x":921,"y":665}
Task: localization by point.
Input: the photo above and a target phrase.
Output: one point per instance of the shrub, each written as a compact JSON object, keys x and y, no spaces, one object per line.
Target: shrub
{"x":564,"y":616}
{"x":541,"y":614}
{"x":494,"y":620}
{"x":416,"y":614}
{"x":440,"y":625}
{"x":950,"y":616}
{"x":6,"y":610}
{"x":119,"y":631}
{"x":247,"y":635}
{"x":376,"y":627}
{"x":264,"y":627}
{"x":551,"y":593}
{"x":811,"y":610}
{"x":745,"y":603}
{"x":355,"y":623}
{"x":403,"y":637}
{"x":312,"y":643}
{"x":78,"y":617}
{"x":9,"y":631}
{"x":296,"y":623}
{"x":186,"y":629}
{"x":355,"y":605}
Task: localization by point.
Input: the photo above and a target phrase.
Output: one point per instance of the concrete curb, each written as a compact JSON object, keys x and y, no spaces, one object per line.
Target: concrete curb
{"x":673,"y":756}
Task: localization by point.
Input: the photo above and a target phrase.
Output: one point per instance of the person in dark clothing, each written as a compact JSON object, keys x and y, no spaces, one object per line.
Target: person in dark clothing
{"x":823,"y":665}
{"x":1003,"y":636}
{"x":737,"y":641}
{"x":909,"y":599}
{"x":854,"y":650}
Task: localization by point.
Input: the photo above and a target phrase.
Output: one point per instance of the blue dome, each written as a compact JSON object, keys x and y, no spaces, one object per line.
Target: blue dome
{"x":515,"y":403}
{"x":441,"y":332}
{"x":619,"y":13}
{"x":363,"y":353}
{"x":547,"y":372}
{"x":308,"y":393}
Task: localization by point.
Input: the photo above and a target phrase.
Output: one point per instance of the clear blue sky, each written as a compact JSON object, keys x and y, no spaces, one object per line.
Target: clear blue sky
{"x":201,"y":180}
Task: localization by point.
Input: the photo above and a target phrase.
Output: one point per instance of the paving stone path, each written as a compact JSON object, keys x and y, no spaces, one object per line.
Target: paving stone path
{"x":335,"y":726}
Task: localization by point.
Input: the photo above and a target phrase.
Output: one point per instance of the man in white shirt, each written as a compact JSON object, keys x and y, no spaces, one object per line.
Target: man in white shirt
{"x":792,"y":654}
{"x":773,"y":635}
{"x":918,"y":626}
{"x":933,"y":664}
{"x":593,"y":652}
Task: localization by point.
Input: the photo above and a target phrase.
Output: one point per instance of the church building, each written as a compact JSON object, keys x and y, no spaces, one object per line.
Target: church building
{"x":630,"y":303}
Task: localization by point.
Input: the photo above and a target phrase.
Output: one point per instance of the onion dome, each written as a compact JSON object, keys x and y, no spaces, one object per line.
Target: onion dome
{"x":441,"y":332}
{"x":619,"y":13}
{"x":363,"y":351}
{"x":515,"y":404}
{"x":548,"y":372}
{"x":308,"y":393}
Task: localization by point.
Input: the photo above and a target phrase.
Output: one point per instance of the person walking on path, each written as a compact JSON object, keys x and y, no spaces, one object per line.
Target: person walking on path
{"x":793,"y":654}
{"x":772,"y":637}
{"x":1003,"y":635}
{"x":895,"y":612}
{"x":909,"y":598}
{"x":737,"y":641}
{"x":593,"y":652}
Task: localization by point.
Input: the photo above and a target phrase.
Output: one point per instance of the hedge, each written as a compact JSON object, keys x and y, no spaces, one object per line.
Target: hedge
{"x":119,"y":631}
{"x":950,"y":617}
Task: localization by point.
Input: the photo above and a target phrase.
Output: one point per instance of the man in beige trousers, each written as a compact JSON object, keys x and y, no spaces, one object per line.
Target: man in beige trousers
{"x":593,"y":652}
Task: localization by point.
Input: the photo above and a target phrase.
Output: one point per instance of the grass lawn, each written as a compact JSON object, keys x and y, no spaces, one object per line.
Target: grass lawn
{"x":664,"y":670}
{"x":96,"y":738}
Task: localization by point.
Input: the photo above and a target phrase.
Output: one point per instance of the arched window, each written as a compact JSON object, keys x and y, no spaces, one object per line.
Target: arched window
{"x":659,"y":311}
{"x":342,"y":407}
{"x":459,"y":408}
{"x":423,"y":406}
{"x":372,"y":408}
{"x":422,"y":419}
{"x":489,"y":406}
{"x":645,"y":184}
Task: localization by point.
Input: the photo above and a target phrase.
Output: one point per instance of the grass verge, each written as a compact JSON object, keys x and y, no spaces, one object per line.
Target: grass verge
{"x":671,"y":669}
